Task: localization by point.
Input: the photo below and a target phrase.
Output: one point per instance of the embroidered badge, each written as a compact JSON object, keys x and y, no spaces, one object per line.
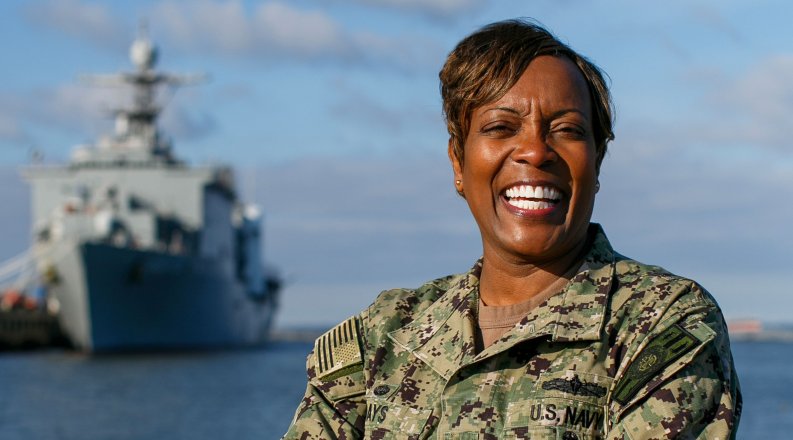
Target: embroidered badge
{"x":382,"y":390}
{"x":338,"y":352}
{"x":570,"y":435}
{"x":575,"y":387}
{"x":659,"y":353}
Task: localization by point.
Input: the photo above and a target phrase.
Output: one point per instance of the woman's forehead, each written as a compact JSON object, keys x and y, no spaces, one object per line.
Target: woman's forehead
{"x":548,"y":84}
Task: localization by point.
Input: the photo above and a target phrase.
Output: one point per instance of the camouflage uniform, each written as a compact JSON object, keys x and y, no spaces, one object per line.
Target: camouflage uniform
{"x":626,"y":351}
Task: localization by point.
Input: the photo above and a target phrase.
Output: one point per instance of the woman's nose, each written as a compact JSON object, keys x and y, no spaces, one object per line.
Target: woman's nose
{"x":532,"y":148}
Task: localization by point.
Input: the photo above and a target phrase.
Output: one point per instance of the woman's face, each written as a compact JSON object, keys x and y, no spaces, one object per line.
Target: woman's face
{"x":529,"y":170}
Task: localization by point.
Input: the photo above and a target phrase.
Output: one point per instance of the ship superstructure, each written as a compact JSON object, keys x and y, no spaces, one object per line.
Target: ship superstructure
{"x":136,"y":249}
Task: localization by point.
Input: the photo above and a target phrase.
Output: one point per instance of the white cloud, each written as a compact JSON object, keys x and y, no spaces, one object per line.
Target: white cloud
{"x":71,"y":109}
{"x":88,"y":21}
{"x":84,"y":113}
{"x":78,"y":107}
{"x":713,"y":18}
{"x":268,"y":31}
{"x":342,"y":229}
{"x":445,"y":9}
{"x":222,"y":25}
{"x":279,"y":31}
{"x":401,"y":121}
{"x":698,"y":210}
{"x":703,"y":191}
{"x":227,"y":28}
{"x":310,"y":33}
{"x":705,"y":217}
{"x":10,"y":129}
{"x":185,"y":123}
{"x":752,"y":110}
{"x":363,"y":208}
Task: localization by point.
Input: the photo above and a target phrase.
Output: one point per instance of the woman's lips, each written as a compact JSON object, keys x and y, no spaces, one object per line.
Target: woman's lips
{"x":538,"y":199}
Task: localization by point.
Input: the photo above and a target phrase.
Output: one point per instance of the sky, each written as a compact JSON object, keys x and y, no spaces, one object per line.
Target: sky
{"x":330,"y":113}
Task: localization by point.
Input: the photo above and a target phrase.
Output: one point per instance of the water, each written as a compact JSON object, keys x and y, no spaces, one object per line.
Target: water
{"x":252,"y":394}
{"x":232,"y":394}
{"x":764,"y":369}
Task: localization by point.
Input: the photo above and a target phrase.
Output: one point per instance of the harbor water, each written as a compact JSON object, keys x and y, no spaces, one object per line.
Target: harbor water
{"x":252,"y":394}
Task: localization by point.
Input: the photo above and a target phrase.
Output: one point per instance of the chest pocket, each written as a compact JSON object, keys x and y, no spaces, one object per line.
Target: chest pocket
{"x":387,"y":420}
{"x":566,"y":405}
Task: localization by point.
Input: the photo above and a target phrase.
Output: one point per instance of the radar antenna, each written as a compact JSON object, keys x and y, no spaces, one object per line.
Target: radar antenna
{"x":136,"y":126}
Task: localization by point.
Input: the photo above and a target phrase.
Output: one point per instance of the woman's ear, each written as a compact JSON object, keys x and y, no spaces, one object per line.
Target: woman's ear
{"x":457,"y":169}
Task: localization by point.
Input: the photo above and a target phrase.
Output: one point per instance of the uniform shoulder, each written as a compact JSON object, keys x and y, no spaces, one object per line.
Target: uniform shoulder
{"x":396,"y":308}
{"x":654,"y":286}
{"x":664,"y":323}
{"x":645,"y":299}
{"x":336,"y":365}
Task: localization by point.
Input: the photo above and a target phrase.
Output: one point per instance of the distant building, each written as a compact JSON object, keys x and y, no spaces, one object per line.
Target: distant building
{"x":745,"y":327}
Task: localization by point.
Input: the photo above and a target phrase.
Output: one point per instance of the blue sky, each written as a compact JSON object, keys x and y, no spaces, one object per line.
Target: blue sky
{"x":330,"y":112}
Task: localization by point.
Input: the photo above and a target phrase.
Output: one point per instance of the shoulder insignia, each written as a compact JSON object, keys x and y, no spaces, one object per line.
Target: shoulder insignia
{"x":338,"y":352}
{"x":660,"y":352}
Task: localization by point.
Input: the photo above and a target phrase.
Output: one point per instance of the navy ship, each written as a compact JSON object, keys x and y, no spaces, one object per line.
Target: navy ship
{"x":134,"y":249}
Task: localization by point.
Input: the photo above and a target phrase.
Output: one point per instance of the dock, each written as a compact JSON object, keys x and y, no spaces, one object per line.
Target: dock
{"x":21,"y":328}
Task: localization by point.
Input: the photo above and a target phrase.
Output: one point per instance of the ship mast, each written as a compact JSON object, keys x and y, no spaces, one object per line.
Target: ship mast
{"x":137,"y":135}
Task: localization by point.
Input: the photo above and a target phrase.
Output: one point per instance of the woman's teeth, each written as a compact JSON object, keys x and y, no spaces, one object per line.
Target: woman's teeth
{"x":544,"y":196}
{"x":529,"y":204}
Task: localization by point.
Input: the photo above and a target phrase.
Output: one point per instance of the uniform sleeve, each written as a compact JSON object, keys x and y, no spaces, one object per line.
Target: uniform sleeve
{"x":334,"y":405}
{"x":697,"y":397}
{"x":317,"y":418}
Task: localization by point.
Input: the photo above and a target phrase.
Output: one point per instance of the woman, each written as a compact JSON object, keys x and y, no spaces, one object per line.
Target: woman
{"x":552,"y":334}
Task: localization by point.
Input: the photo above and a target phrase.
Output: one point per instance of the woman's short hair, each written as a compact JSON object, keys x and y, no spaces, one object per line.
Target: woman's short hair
{"x":487,"y":63}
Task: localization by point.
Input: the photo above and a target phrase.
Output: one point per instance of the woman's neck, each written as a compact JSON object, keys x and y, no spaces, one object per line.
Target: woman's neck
{"x":507,"y":281}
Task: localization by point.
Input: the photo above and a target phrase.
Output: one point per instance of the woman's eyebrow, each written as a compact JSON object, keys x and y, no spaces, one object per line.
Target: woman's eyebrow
{"x":505,"y":109}
{"x":566,"y":111}
{"x":511,"y":110}
{"x":554,"y":115}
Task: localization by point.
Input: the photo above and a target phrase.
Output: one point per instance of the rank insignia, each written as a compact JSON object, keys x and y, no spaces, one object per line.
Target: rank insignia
{"x":338,"y":352}
{"x":664,"y":349}
{"x":575,"y":387}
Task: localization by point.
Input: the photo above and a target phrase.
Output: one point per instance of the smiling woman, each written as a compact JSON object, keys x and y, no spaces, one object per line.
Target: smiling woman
{"x":552,"y":334}
{"x":536,"y":139}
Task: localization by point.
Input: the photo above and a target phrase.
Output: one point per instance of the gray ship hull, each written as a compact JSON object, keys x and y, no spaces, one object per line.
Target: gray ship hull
{"x":115,"y":298}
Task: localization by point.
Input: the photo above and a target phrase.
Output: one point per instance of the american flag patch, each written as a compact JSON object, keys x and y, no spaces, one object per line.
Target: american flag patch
{"x":338,"y":352}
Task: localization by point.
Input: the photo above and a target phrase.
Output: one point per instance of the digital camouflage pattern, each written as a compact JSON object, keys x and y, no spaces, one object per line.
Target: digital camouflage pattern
{"x":625,"y":351}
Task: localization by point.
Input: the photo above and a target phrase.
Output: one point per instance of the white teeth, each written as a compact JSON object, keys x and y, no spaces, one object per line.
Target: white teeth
{"x":517,"y":196}
{"x":528,"y":204}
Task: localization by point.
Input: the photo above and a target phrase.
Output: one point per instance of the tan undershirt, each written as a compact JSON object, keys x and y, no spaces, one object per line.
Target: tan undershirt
{"x":494,"y":321}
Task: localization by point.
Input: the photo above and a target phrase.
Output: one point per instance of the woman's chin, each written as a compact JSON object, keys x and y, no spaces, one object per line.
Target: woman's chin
{"x":536,"y":242}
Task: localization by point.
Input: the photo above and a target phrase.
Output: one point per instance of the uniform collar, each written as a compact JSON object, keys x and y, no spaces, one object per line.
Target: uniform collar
{"x":442,"y":335}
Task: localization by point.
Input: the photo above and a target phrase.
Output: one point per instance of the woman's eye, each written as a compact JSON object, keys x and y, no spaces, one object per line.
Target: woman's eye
{"x":498,"y":129}
{"x":569,"y":130}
